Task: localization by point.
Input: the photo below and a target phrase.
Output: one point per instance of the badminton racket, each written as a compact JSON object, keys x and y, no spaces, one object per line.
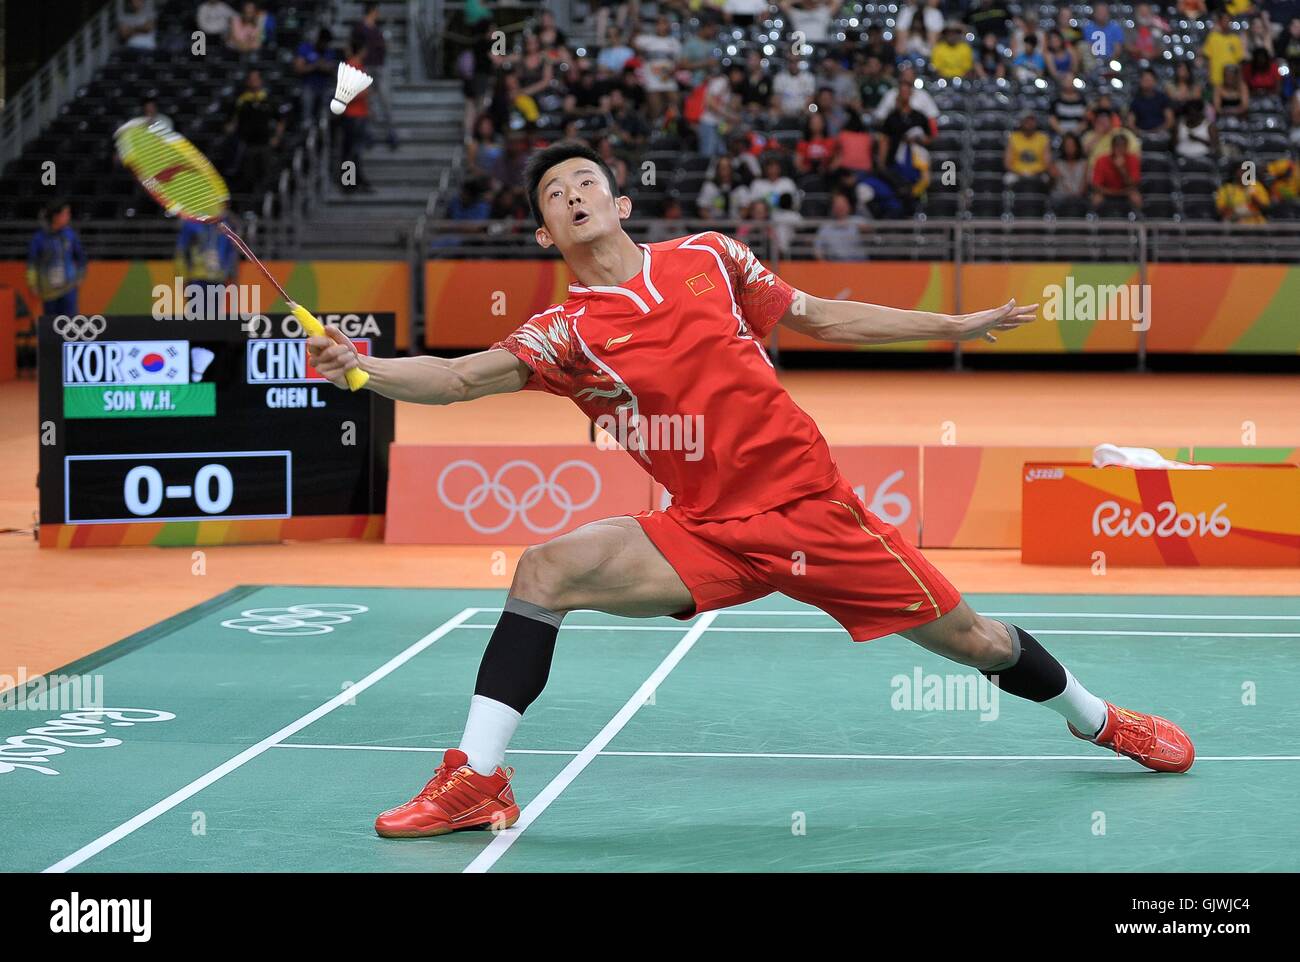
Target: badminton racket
{"x":184,"y":182}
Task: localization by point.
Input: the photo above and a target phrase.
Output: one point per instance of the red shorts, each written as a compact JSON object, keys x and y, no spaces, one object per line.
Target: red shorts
{"x":826,"y":550}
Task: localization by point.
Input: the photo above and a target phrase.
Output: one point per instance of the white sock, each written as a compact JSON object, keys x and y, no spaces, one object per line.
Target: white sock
{"x":488,"y":730}
{"x":1080,"y":707}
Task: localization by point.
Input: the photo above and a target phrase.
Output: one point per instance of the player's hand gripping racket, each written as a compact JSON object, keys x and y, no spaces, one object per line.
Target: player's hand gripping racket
{"x":186,"y":184}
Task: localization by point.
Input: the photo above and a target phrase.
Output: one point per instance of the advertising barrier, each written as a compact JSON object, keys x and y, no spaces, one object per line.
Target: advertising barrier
{"x":1237,"y":516}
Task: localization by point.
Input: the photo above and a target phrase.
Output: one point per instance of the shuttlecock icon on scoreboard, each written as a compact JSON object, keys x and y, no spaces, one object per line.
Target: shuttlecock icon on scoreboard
{"x":200,"y":358}
{"x":350,"y":83}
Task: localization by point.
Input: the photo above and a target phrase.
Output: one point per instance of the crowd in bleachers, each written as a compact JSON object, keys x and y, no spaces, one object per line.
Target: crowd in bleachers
{"x":242,"y":82}
{"x":719,"y":109}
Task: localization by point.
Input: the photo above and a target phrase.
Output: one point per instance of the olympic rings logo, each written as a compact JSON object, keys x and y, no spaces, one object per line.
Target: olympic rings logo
{"x":315,"y":619}
{"x":518,"y":506}
{"x":80,"y":327}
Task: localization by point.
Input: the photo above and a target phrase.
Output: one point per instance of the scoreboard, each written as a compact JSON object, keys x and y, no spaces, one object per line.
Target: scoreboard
{"x":150,"y":428}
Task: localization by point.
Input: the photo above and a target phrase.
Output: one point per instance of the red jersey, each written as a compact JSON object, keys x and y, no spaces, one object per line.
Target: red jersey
{"x":671,"y":363}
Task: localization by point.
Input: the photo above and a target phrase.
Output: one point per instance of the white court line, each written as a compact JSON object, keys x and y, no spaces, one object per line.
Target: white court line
{"x":804,"y":613}
{"x":1091,"y":757}
{"x":501,"y":843}
{"x":840,"y":631}
{"x":193,"y":788}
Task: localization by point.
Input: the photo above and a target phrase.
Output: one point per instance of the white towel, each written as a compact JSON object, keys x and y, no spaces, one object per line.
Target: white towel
{"x":1109,"y":455}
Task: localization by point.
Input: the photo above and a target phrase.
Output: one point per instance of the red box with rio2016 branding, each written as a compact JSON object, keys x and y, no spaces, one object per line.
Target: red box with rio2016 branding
{"x":1229,"y":516}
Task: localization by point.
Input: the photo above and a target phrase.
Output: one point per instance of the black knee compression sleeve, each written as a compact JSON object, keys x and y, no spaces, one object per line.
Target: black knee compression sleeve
{"x":1031,"y":672}
{"x":517,"y":660}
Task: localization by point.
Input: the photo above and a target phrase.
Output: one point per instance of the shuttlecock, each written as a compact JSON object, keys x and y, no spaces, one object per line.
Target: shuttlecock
{"x":351,"y":82}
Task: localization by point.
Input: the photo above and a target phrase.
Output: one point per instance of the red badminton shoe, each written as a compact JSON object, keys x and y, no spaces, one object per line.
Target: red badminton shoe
{"x":1151,"y":741}
{"x":457,"y":797}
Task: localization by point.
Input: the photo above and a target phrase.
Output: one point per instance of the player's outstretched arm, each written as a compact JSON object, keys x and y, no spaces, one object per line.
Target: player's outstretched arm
{"x":854,"y":322}
{"x":421,"y":380}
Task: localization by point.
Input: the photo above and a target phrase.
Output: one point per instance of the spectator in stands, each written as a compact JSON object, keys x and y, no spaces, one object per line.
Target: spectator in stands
{"x":1062,"y":61}
{"x":257,"y":129}
{"x":991,"y":64}
{"x":758,"y":231}
{"x":213,"y":18}
{"x":602,"y":8}
{"x":670,"y":223}
{"x":1260,"y":31}
{"x":367,"y":35}
{"x":509,"y":167}
{"x":550,"y":36}
{"x":831,"y":110}
{"x":484,"y":147}
{"x":1184,"y":89}
{"x":205,"y":255}
{"x":1024,"y":26}
{"x":722,"y":196}
{"x":786,"y":221}
{"x":756,"y":88}
{"x":1222,"y":47}
{"x":1105,"y":130}
{"x":624,"y":126}
{"x":1288,"y":48}
{"x":919,"y":26}
{"x":1232,"y":97}
{"x":316,"y":66}
{"x":840,"y":238}
{"x":1151,"y":111}
{"x":1283,"y":177}
{"x":743,"y":163}
{"x":659,"y":51}
{"x":1198,"y":136}
{"x":855,"y":166}
{"x":839,"y":81}
{"x":719,"y":112}
{"x":1295,"y":117}
{"x":616,"y":52}
{"x":989,"y":16}
{"x":1243,"y":200}
{"x":810,"y":19}
{"x":902,"y":158}
{"x":136,"y":25}
{"x":1029,"y":64}
{"x":1149,"y":30}
{"x":1068,"y":109}
{"x":698,"y":54}
{"x":1028,"y":155}
{"x":1261,"y":73}
{"x":873,"y":83}
{"x":1066,"y":27}
{"x":471,"y":201}
{"x":248,"y":30}
{"x":794,"y":88}
{"x":920,"y":97}
{"x":1103,"y":36}
{"x":583,"y":97}
{"x":56,"y":261}
{"x":1070,"y":177}
{"x":617,"y":165}
{"x":952,"y":55}
{"x":1115,"y":176}
{"x":772,"y":184}
{"x":815,"y":151}
{"x":149,"y":111}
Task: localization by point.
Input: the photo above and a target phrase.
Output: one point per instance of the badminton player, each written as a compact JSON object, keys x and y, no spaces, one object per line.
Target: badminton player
{"x":676,"y":329}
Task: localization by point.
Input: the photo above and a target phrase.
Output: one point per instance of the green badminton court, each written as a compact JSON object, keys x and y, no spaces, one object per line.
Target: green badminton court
{"x":263,"y":731}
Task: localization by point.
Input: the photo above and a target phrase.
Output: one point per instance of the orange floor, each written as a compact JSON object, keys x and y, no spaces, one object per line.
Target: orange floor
{"x":61,"y":605}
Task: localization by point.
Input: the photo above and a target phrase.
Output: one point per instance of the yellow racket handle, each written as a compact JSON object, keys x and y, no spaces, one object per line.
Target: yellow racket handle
{"x":357,"y":378}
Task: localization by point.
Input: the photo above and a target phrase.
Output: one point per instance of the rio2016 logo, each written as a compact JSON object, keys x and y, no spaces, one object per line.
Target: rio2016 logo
{"x":1111,"y":520}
